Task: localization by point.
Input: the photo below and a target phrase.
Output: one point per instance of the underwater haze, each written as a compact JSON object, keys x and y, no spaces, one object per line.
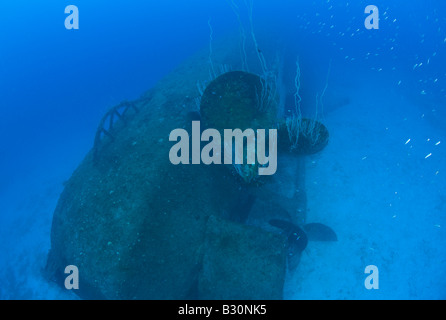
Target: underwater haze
{"x":379,"y":183}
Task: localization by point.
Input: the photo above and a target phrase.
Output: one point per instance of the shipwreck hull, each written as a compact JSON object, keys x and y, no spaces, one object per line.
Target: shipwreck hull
{"x":139,"y":227}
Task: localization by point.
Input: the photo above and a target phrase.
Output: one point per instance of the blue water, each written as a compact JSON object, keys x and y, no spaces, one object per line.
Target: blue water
{"x":55,"y":85}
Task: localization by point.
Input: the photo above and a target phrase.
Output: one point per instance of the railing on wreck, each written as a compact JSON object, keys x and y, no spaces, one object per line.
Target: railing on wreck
{"x":108,"y":121}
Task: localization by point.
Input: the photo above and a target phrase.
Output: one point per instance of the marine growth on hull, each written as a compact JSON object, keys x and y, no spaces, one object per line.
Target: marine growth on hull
{"x":140,"y":227}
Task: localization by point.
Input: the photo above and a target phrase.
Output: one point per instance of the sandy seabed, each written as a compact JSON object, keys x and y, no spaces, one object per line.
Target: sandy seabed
{"x":382,"y":196}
